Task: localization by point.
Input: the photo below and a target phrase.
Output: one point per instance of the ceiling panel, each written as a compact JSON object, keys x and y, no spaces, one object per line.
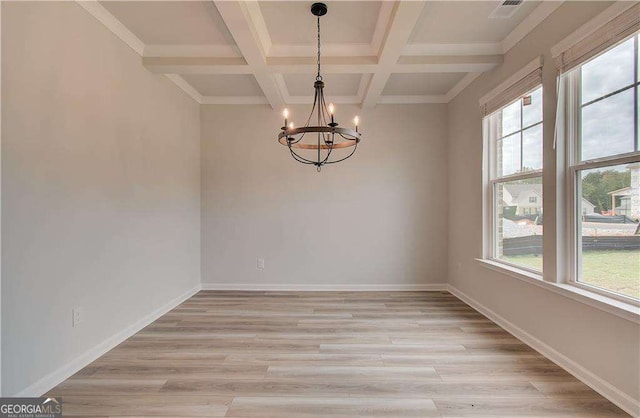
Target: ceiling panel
{"x":291,"y":23}
{"x":224,"y":84}
{"x":418,"y":84}
{"x":466,"y":22}
{"x":172,"y":22}
{"x":335,"y":84}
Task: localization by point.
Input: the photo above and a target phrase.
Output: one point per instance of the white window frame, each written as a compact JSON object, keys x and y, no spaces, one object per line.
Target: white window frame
{"x":574,"y":166}
{"x":492,"y":180}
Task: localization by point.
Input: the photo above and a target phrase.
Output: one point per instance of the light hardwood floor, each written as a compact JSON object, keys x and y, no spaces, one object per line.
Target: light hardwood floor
{"x":326,"y":354}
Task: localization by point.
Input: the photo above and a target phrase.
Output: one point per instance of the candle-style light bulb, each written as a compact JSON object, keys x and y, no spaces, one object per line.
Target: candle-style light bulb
{"x":290,"y":125}
{"x":285,"y":113}
{"x":356,"y":121}
{"x":331,"y":110}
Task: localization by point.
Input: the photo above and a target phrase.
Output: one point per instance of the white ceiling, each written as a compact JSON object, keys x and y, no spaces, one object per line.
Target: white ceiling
{"x":347,"y":22}
{"x":172,"y":22}
{"x":373,"y":51}
{"x":457,"y":22}
{"x":335,"y":84}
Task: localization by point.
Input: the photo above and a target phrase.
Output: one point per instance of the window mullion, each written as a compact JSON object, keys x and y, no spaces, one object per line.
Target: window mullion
{"x":521,"y":135}
{"x":635,"y":91}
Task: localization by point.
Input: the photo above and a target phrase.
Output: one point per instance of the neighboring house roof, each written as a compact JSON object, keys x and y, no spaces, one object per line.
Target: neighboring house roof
{"x":516,"y":190}
{"x":625,"y":191}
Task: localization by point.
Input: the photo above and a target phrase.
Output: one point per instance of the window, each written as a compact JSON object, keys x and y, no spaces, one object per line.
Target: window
{"x":604,"y":170}
{"x":513,"y":136}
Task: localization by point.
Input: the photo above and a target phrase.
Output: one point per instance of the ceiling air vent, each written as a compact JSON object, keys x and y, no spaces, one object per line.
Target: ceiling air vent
{"x":506,"y":9}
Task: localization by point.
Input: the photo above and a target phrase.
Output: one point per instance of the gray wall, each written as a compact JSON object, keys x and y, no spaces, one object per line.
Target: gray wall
{"x":100,"y":188}
{"x":376,"y":219}
{"x":602,"y":343}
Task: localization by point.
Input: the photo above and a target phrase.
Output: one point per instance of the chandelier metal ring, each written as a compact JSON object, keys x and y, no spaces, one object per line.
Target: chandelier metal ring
{"x":289,"y":136}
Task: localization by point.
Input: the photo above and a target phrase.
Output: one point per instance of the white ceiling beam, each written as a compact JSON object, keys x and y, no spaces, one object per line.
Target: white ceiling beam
{"x":452,"y":49}
{"x":234,"y":100}
{"x":259,"y":25}
{"x":328,"y":50}
{"x":196,"y":65}
{"x":334,"y":99}
{"x":383,"y":22}
{"x":470,"y":67}
{"x":191,"y":51}
{"x":435,"y":98}
{"x":282,"y":85}
{"x":403,"y":19}
{"x":362,"y":88}
{"x":237,"y":17}
{"x":388,"y":53}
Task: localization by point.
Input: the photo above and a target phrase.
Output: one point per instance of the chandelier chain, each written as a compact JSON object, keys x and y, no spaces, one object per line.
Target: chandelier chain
{"x":318,"y":77}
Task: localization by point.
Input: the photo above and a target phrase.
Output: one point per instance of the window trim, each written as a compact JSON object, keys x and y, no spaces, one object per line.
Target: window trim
{"x":574,"y":165}
{"x":604,"y":303}
{"x":491,"y":180}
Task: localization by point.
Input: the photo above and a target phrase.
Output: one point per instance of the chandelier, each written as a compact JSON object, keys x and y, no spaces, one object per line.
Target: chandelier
{"x":318,"y":144}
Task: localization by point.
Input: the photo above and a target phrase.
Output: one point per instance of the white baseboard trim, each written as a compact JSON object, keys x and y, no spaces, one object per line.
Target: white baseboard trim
{"x":606,"y":389}
{"x":53,"y":379}
{"x":326,"y":287}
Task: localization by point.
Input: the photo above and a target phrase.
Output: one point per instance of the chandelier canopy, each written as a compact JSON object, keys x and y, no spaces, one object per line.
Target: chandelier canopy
{"x":325,"y":142}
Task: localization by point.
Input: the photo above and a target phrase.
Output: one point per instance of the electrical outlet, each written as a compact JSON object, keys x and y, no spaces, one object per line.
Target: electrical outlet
{"x":260,"y":263}
{"x":76,"y":314}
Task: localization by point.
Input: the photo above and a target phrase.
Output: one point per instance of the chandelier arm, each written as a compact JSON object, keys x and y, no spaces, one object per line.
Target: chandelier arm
{"x":342,"y":159}
{"x":328,"y":155}
{"x":325,"y":111}
{"x":324,"y":120}
{"x":347,"y":138}
{"x":298,"y":140}
{"x":308,"y":121}
{"x":315,"y":101}
{"x":299,"y":158}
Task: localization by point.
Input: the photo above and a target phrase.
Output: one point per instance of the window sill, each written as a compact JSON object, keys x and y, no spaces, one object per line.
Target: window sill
{"x":610,"y":305}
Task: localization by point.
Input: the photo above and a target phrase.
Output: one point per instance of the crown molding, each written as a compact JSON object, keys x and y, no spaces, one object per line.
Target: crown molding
{"x":186,"y":87}
{"x":98,"y":11}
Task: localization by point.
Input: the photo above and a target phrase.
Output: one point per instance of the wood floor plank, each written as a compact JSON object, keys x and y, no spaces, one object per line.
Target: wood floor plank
{"x":146,"y":405}
{"x":326,"y":354}
{"x":278,"y":407}
{"x":354,"y":373}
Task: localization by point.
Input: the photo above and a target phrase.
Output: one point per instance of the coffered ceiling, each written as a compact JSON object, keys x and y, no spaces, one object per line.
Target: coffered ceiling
{"x":264,"y":52}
